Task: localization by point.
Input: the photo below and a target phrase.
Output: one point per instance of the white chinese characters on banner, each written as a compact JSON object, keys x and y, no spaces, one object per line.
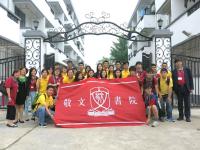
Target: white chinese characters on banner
{"x":100,"y":102}
{"x":132,"y":100}
{"x":118,"y":100}
{"x":81,"y":102}
{"x":67,"y":102}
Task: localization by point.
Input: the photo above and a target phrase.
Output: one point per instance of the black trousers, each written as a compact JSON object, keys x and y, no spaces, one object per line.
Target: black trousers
{"x":183,"y":96}
{"x":11,"y":112}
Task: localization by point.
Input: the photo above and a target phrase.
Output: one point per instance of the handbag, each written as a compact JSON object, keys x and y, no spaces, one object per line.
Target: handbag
{"x":3,"y":89}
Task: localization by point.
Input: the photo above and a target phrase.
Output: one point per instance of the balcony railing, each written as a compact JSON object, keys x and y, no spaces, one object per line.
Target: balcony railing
{"x":193,"y":8}
{"x":147,"y":21}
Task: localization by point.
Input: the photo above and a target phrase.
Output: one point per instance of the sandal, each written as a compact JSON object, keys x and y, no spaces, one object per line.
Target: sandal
{"x":33,"y":118}
{"x":12,"y":126}
{"x":15,"y":122}
{"x":21,"y":121}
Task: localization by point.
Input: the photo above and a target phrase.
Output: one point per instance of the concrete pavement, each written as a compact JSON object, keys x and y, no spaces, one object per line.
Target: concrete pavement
{"x":167,"y":136}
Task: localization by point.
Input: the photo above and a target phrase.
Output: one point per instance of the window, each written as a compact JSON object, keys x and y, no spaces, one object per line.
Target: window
{"x":153,"y":9}
{"x":22,"y":16}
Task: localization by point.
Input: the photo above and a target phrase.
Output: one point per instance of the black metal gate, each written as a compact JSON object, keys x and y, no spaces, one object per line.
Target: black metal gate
{"x":194,"y":64}
{"x":146,"y":60}
{"x":8,"y":65}
{"x":49,"y":60}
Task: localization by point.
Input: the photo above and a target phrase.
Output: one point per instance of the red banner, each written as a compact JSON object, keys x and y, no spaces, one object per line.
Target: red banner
{"x":95,"y":102}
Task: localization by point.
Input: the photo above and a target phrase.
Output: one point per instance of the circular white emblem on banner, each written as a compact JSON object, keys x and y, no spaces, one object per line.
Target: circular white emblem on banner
{"x":100,"y":102}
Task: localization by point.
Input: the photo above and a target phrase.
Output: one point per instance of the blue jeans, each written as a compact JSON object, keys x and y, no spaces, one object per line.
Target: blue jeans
{"x":166,"y":106}
{"x":41,"y":114}
{"x":29,"y":101}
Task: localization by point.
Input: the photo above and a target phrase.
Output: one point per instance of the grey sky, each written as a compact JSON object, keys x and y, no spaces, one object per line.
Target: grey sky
{"x":120,"y":12}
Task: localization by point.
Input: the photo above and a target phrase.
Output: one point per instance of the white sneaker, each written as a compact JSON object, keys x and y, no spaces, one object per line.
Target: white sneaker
{"x":155,"y":124}
{"x":43,"y":125}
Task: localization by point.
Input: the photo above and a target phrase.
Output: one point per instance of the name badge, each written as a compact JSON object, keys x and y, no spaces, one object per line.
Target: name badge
{"x":180,"y":78}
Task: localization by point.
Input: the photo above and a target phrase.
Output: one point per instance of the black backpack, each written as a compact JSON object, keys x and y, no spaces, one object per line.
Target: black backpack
{"x":3,"y":89}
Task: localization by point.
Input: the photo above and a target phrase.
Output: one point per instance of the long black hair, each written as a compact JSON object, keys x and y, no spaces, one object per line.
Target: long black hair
{"x":30,"y":78}
{"x":77,"y":75}
{"x":88,"y":76}
{"x":109,"y":69}
{"x":98,"y":73}
{"x":120,"y":73}
{"x":30,"y":72}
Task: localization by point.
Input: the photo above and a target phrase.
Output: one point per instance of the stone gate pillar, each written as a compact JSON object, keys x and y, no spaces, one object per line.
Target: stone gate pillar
{"x":162,"y":41}
{"x":34,"y":48}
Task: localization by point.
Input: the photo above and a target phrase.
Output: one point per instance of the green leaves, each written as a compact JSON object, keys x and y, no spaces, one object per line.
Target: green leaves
{"x":119,"y":50}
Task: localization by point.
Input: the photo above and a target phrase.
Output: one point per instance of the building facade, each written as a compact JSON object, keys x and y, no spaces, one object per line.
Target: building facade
{"x":24,"y":24}
{"x":181,"y":17}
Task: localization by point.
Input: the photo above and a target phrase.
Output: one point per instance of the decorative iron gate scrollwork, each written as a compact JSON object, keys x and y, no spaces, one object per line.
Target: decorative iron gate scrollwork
{"x":95,"y":26}
{"x":163,"y":52}
{"x":33,"y":53}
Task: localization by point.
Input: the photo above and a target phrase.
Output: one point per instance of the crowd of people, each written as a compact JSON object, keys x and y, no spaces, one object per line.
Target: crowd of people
{"x":156,"y":86}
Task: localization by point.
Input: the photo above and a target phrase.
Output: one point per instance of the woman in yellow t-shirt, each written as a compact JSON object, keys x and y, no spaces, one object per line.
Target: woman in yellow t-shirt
{"x":70,"y":77}
{"x":42,"y":82}
{"x":111,"y":72}
{"x":64,"y":71}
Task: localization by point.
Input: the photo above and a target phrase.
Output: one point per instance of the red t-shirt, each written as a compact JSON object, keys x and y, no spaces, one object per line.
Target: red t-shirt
{"x":181,"y":77}
{"x":54,"y":80}
{"x":13,"y":85}
{"x":32,"y":86}
{"x":152,"y":82}
{"x":140,"y":77}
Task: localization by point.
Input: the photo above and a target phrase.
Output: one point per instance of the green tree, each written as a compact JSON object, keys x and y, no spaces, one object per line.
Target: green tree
{"x":119,"y":50}
{"x":103,"y":59}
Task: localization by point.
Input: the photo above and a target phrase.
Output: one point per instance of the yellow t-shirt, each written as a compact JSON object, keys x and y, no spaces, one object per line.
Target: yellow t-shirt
{"x":164,"y":87}
{"x":43,"y":83}
{"x":125,"y":73}
{"x":169,"y":73}
{"x":110,"y":76}
{"x":64,"y":74}
{"x":67,"y":80}
{"x":83,"y":72}
{"x":44,"y":100}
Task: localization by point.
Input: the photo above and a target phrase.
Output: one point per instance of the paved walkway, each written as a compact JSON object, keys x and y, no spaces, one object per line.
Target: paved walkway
{"x":167,"y":136}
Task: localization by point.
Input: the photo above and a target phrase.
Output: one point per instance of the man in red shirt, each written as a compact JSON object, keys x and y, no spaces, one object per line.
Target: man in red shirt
{"x":11,"y":85}
{"x":182,"y":85}
{"x":141,"y":74}
{"x":154,"y":70}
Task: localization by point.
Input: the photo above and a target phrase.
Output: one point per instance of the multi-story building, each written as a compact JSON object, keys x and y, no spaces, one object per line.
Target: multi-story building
{"x":181,"y":17}
{"x":24,"y":24}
